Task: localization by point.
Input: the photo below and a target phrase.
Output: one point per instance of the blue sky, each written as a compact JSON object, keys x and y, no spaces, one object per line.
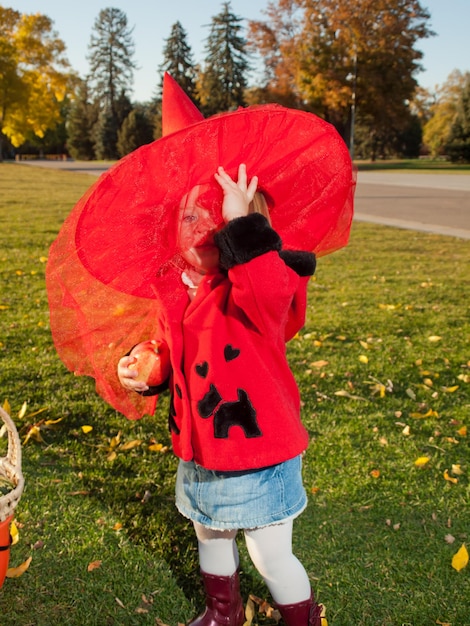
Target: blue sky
{"x":152,"y":22}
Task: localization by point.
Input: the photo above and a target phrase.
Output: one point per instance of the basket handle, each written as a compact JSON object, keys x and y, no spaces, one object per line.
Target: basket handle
{"x":14,"y":444}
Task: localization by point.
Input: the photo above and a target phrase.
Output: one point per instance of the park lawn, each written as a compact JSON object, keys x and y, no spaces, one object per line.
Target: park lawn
{"x":383,"y":366}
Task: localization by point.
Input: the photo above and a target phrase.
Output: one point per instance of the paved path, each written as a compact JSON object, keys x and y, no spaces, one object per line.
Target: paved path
{"x":436,"y":203}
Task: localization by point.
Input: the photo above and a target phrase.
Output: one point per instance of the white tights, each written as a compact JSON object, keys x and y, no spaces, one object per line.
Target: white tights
{"x":270,"y":549}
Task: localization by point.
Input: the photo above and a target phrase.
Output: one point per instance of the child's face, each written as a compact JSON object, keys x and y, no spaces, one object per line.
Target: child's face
{"x":196,"y":236}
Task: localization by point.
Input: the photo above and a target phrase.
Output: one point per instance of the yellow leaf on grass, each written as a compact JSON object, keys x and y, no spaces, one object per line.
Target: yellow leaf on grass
{"x":53,"y":422}
{"x":16,"y":572}
{"x":434,"y":338}
{"x":345,"y":394}
{"x":22,"y":411}
{"x":319,"y":364}
{"x":249,"y":612}
{"x":7,"y":407}
{"x":131,"y":444}
{"x":87,"y":429}
{"x":456,"y":469}
{"x":462,"y":431}
{"x":430,"y":413}
{"x":460,"y":558}
{"x":34,"y":433}
{"x":375,"y":473}
{"x":450,"y":479}
{"x":450,"y":389}
{"x":115,"y":441}
{"x":363,"y":358}
{"x":422,"y":461}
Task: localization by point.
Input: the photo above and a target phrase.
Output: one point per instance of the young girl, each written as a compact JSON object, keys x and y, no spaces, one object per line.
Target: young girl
{"x":158,"y":248}
{"x":234,"y":397}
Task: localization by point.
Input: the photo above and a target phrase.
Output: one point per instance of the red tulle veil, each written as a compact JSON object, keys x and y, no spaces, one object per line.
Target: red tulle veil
{"x":105,"y":265}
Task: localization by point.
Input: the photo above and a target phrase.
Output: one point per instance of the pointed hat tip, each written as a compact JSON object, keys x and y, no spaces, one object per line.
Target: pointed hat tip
{"x":178,"y":110}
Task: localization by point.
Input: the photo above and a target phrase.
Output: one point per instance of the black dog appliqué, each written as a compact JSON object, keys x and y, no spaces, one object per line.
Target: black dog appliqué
{"x":240,"y":412}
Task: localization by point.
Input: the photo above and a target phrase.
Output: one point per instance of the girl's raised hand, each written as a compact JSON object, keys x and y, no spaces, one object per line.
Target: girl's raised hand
{"x":237,"y":195}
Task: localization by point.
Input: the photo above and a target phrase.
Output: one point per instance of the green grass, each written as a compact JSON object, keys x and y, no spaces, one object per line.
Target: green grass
{"x":434,"y":166}
{"x":373,"y":537}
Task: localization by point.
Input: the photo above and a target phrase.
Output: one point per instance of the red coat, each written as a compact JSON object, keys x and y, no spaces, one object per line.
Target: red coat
{"x":235,"y":403}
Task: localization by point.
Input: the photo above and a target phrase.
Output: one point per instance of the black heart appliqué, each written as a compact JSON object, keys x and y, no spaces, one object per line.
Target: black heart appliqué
{"x":202,"y":369}
{"x":230,"y":352}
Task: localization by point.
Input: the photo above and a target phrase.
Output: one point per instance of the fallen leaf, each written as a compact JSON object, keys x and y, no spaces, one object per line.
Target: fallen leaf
{"x":16,"y":572}
{"x":430,"y":413}
{"x":406,"y":430}
{"x":450,"y":389}
{"x":375,"y":473}
{"x":363,"y":359}
{"x":345,"y":394}
{"x":87,"y":429}
{"x":94,"y":565}
{"x":131,"y":444}
{"x":33,"y":433}
{"x":422,"y":461}
{"x":449,"y":539}
{"x":120,"y":603}
{"x":249,"y":612}
{"x":450,"y":479}
{"x":462,"y":431}
{"x":319,"y":364}
{"x":22,"y":411}
{"x":456,"y":469}
{"x":460,"y":558}
{"x":434,"y":338}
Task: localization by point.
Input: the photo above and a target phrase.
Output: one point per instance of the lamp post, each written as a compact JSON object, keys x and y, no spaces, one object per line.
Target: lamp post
{"x":353,"y":105}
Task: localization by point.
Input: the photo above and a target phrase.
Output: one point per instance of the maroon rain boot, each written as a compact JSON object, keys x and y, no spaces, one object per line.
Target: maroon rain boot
{"x":224,"y":605}
{"x":307,"y":613}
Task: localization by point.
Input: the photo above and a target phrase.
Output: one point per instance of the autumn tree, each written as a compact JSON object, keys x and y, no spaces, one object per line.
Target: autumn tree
{"x":34,"y":76}
{"x":224,"y":78}
{"x":458,"y":144}
{"x":111,"y":49}
{"x":178,"y":60}
{"x":334,"y":54}
{"x":443,"y":110}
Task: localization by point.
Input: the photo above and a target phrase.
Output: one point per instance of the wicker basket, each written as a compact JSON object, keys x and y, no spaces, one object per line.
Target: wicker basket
{"x":10,"y":468}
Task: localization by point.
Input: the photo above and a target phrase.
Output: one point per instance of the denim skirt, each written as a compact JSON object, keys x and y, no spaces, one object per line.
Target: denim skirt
{"x":238,"y":500}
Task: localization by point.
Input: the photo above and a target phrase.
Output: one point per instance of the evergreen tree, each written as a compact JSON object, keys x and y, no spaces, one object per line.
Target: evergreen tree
{"x":136,"y":130}
{"x":81,"y":119}
{"x":224,"y":81}
{"x":458,"y":146}
{"x":178,"y":60}
{"x":105,"y":135}
{"x":111,"y":50}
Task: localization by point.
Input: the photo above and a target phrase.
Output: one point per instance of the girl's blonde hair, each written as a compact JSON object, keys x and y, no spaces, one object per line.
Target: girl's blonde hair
{"x":259,"y":205}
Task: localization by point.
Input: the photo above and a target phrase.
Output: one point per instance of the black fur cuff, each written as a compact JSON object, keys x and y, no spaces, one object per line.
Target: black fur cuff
{"x":244,"y":239}
{"x":303,"y":263}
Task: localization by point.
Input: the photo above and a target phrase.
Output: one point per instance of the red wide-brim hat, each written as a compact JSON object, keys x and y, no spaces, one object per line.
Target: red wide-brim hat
{"x":104,"y":266}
